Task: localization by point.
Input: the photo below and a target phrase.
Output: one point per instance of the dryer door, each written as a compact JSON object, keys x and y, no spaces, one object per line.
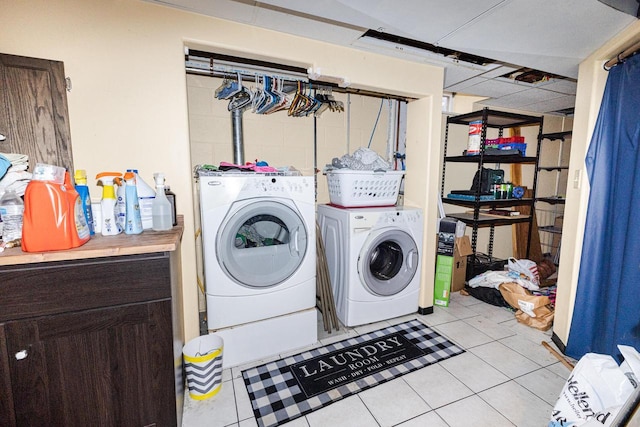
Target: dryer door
{"x":261,"y":243}
{"x":388,"y":262}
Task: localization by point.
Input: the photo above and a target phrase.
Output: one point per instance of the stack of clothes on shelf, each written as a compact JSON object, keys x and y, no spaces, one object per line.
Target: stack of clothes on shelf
{"x":13,"y":173}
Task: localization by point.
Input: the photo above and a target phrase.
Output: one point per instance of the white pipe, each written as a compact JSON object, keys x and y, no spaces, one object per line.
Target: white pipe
{"x":391,"y":130}
{"x":348,"y":123}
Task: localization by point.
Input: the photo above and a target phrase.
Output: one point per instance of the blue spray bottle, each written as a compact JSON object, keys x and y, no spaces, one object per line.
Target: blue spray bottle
{"x":83,"y":191}
{"x":133,"y":220}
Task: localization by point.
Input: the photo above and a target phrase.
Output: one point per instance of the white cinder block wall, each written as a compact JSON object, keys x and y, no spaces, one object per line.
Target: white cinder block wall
{"x":281,"y":140}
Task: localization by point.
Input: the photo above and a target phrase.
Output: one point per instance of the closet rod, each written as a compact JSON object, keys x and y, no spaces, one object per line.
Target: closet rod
{"x":226,"y":69}
{"x":316,"y":85}
{"x":634,"y":48}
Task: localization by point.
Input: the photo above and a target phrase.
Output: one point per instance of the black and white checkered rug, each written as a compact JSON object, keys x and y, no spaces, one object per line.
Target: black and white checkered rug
{"x":289,"y":388}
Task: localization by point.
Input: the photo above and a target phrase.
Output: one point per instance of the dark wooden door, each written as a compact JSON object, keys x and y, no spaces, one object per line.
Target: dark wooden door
{"x":103,"y":367}
{"x":34,"y":116}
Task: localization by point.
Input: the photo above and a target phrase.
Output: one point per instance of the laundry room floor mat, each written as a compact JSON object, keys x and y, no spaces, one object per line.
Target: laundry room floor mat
{"x":289,"y":388}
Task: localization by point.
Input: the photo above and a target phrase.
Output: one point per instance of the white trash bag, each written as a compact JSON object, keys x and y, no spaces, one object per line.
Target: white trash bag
{"x":527,"y":269}
{"x":493,"y":279}
{"x":596,"y":389}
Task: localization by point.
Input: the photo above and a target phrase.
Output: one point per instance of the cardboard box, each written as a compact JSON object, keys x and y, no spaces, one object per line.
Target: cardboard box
{"x":451,"y":268}
{"x":442,"y":284}
{"x":446,"y":236}
{"x":462,"y":249}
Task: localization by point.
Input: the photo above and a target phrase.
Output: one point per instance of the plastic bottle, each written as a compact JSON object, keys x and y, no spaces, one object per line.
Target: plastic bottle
{"x":161,"y":205}
{"x":108,"y":203}
{"x":78,"y":226}
{"x":145,"y":200}
{"x":82,"y":189}
{"x":133,"y":222}
{"x":11,"y":211}
{"x":171,"y":196}
{"x":53,"y":216}
{"x":97,"y":215}
{"x":121,"y":203}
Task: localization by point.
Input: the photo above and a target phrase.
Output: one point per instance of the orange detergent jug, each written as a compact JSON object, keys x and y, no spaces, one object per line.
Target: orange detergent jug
{"x":53,"y":215}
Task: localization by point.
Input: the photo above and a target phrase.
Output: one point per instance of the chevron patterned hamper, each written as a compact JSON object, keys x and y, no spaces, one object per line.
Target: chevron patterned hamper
{"x":203,"y":366}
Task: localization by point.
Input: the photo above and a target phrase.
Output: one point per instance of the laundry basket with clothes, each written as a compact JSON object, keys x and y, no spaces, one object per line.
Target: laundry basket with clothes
{"x":363,"y":179}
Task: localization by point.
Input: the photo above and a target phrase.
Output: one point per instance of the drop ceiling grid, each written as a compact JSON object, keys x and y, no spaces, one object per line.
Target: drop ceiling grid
{"x":539,"y":28}
{"x":545,"y":35}
{"x":300,"y":25}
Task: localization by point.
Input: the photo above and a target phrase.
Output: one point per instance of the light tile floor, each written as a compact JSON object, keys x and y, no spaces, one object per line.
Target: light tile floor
{"x":506,"y":378}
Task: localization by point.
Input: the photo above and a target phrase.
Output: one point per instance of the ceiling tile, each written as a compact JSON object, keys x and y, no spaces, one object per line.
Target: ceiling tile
{"x":520,"y":31}
{"x":494,"y":88}
{"x":534,"y":95}
{"x":555,"y":104}
{"x":456,"y":73}
{"x":568,"y":87}
{"x":305,"y":27}
{"x":496,"y":102}
{"x":426,"y":20}
{"x":545,"y":35}
{"x":332,"y":11}
{"x":463,"y":85}
{"x":526,"y":97}
{"x":501,"y":71}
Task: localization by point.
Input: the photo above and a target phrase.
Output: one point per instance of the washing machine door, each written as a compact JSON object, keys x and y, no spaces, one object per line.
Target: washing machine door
{"x":261,"y":243}
{"x":388,"y":262}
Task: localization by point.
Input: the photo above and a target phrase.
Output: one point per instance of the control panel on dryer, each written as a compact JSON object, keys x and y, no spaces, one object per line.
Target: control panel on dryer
{"x":401,"y":217}
{"x":299,"y":186}
{"x":269,"y":185}
{"x":276,"y":185}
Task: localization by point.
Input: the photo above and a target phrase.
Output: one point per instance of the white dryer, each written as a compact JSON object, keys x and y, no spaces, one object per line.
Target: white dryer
{"x":374,"y":257}
{"x":259,"y":256}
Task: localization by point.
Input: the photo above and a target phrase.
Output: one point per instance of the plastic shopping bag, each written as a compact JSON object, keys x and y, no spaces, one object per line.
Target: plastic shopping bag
{"x":596,"y":389}
{"x":525,"y":268}
{"x":493,"y":279}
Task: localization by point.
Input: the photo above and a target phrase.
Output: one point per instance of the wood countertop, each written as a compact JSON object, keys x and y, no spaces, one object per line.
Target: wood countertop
{"x":99,"y":246}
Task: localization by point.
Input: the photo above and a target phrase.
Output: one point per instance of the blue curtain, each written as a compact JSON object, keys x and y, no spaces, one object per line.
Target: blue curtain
{"x":607,"y":305}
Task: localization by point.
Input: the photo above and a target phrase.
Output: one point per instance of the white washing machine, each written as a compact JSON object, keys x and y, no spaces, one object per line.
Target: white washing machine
{"x":374,"y":257}
{"x":259,"y":256}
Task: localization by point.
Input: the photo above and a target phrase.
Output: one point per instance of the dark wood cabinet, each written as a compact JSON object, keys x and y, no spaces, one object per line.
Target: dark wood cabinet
{"x":90,"y":342}
{"x":34,"y":116}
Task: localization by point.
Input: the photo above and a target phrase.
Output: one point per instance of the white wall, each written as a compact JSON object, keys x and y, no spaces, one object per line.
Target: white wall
{"x":282,"y":140}
{"x":128,"y":106}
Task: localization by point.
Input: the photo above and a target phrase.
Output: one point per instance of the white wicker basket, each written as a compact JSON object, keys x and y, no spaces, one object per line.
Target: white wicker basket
{"x":357,"y":188}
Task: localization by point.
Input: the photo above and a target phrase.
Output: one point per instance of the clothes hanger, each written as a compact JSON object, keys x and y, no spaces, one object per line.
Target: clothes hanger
{"x":324,"y":102}
{"x":296,"y":101}
{"x":284,"y":99}
{"x":272,"y":98}
{"x":241,"y":98}
{"x":230,"y":88}
{"x":258,"y":96}
{"x":223,"y":87}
